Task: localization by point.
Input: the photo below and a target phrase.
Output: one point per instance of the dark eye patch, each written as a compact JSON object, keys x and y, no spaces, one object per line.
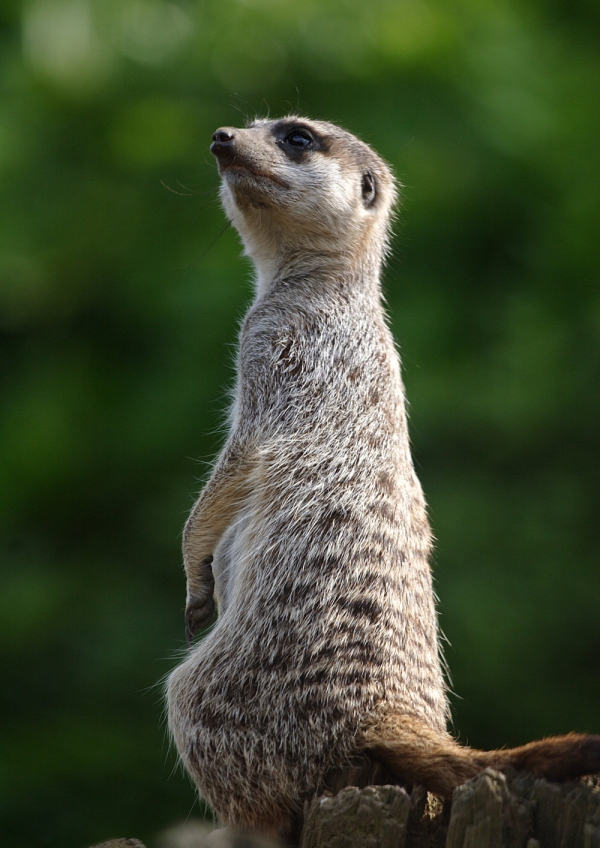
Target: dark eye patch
{"x":300,"y":139}
{"x":369,"y":189}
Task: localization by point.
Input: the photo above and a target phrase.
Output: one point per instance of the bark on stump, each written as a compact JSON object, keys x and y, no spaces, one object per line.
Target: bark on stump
{"x":493,"y":810}
{"x":373,"y":817}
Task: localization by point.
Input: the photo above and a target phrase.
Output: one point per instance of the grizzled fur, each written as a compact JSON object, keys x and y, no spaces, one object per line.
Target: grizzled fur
{"x":312,"y":531}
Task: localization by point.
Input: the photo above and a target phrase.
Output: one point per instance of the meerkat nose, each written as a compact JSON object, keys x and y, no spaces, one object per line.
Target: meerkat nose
{"x":221,"y":141}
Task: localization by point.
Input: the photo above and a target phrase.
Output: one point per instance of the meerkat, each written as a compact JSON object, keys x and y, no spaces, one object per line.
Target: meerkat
{"x":323,"y":667}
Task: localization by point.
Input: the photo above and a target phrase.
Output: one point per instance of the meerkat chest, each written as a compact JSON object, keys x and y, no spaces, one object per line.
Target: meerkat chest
{"x":336,"y":359}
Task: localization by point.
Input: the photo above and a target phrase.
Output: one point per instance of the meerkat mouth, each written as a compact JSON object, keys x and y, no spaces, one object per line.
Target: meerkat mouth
{"x":237,"y":168}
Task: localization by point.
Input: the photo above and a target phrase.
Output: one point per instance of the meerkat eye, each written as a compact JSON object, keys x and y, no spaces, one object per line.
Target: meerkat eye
{"x":300,"y":139}
{"x":369,"y":190}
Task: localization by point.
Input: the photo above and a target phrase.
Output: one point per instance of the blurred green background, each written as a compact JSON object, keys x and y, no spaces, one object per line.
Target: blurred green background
{"x":118,"y":315}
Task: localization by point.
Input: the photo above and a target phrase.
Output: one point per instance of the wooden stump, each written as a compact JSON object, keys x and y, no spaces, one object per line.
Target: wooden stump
{"x":493,"y":810}
{"x":373,"y":817}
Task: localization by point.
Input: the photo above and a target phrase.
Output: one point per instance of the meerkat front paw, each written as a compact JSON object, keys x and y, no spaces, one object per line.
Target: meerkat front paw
{"x":200,"y":606}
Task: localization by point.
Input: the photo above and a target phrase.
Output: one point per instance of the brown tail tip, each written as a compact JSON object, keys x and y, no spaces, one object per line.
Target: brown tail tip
{"x":558,"y":757}
{"x":419,"y":754}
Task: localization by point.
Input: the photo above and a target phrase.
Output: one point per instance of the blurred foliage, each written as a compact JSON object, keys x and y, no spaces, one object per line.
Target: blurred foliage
{"x":118,"y":313}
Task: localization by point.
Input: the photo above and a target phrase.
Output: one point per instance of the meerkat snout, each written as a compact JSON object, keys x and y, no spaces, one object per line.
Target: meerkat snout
{"x":221,"y":139}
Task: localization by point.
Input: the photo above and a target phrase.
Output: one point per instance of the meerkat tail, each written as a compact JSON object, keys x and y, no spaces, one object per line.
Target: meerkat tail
{"x":421,"y":754}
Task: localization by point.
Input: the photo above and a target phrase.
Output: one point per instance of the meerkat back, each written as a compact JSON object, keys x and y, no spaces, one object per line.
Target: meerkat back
{"x":323,"y":665}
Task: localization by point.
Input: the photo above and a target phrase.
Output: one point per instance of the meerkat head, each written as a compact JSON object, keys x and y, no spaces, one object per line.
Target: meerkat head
{"x":305,"y":195}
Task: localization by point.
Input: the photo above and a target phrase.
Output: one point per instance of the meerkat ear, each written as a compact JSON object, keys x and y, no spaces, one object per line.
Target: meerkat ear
{"x":369,"y":189}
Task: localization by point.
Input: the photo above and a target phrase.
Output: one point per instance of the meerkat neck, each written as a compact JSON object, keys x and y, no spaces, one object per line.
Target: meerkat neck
{"x":320,"y":268}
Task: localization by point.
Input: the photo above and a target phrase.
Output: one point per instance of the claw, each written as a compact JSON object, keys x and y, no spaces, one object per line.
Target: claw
{"x":198,"y":616}
{"x":200,"y":611}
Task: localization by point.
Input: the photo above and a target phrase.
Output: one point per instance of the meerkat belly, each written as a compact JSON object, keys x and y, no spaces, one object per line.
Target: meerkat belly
{"x":318,"y":611}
